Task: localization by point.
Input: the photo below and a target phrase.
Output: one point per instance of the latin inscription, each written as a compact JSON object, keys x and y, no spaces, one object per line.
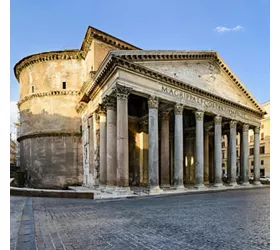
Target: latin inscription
{"x":201,"y":101}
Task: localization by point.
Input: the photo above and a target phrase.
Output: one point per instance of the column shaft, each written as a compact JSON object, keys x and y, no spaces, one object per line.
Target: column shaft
{"x":218,"y":151}
{"x":153,"y":145}
{"x":199,"y":179}
{"x":206,"y":157}
{"x":164,"y":154}
{"x":96,"y":136}
{"x":245,"y":154}
{"x":257,"y":156}
{"x":233,"y":152}
{"x":111,"y":142}
{"x":122,"y":138}
{"x":103,"y":139}
{"x":178,"y":147}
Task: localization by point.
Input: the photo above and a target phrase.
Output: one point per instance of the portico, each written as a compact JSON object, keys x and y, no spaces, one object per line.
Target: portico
{"x":161,"y":117}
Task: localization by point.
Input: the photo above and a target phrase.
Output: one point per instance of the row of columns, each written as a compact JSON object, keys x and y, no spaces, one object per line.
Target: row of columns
{"x":114,"y":161}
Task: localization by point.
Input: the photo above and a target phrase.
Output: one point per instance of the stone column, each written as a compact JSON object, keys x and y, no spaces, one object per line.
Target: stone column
{"x":218,"y":151}
{"x":233,"y":153}
{"x":153,"y":145}
{"x":228,"y":158}
{"x":122,"y":137}
{"x":206,"y":156}
{"x":103,"y":139}
{"x":241,"y":154}
{"x":178,"y":147}
{"x":199,"y":161}
{"x":96,"y":136}
{"x":257,"y":156}
{"x":245,"y":155}
{"x":110,"y":103}
{"x":164,"y":154}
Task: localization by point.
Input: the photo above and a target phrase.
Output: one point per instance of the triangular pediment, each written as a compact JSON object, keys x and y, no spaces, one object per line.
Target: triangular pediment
{"x":200,"y":69}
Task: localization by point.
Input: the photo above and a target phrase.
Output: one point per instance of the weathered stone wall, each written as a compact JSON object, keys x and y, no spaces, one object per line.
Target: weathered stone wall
{"x":52,"y":155}
{"x":52,"y":162}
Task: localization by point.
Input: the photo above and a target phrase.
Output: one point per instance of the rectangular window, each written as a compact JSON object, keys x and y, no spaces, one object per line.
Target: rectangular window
{"x":262,"y":150}
{"x":252,"y":163}
{"x":251,"y":138}
{"x":251,"y":151}
{"x":262,"y":136}
{"x":33,"y":89}
{"x":236,"y":153}
{"x":262,"y":162}
{"x":64,"y":85}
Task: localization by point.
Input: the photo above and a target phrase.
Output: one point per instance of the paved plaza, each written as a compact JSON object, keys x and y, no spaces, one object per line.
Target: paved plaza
{"x":225,"y":220}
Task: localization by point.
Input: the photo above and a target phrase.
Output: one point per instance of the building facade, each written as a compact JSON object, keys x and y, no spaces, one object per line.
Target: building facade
{"x":111,"y":115}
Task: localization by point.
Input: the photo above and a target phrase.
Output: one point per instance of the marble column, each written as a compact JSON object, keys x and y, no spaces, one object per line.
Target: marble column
{"x":257,"y":156}
{"x":153,"y":145}
{"x":199,"y":161}
{"x":178,"y":147}
{"x":96,"y":156}
{"x":110,"y":102}
{"x":164,"y":154}
{"x":218,"y":151}
{"x":122,"y":137}
{"x":245,"y":155}
{"x":241,"y":154}
{"x":233,"y":153}
{"x":206,"y":156}
{"x":103,"y":139}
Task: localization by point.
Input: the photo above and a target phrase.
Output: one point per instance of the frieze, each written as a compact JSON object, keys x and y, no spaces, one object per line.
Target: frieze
{"x":206,"y":104}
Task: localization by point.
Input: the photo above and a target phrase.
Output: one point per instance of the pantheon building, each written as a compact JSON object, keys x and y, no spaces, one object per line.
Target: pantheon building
{"x":112,"y":116}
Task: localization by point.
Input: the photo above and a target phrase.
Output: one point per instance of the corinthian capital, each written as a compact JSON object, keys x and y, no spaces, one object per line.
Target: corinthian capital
{"x":101,"y":110}
{"x":233,"y":124}
{"x":245,"y":127}
{"x":218,"y":120}
{"x":199,"y":115}
{"x":257,"y":130}
{"x":121,"y":91}
{"x":153,"y":102}
{"x":178,"y":109}
{"x":110,"y":102}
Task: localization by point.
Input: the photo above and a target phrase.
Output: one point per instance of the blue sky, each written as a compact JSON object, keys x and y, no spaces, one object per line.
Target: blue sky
{"x":243,"y":41}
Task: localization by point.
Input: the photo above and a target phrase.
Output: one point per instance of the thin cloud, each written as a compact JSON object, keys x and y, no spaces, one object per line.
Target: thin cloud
{"x":222,"y":29}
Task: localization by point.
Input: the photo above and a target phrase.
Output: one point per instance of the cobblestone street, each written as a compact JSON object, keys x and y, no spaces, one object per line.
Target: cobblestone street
{"x":224,"y":220}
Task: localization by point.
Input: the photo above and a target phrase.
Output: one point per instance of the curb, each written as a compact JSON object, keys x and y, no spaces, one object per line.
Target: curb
{"x":50,"y":193}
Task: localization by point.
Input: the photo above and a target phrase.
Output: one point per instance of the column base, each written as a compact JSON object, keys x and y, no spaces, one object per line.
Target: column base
{"x":110,"y":189}
{"x":257,"y":183}
{"x":180,"y":188}
{"x":218,"y":185}
{"x":155,"y":190}
{"x":165,"y":186}
{"x":122,"y":191}
{"x":245,"y":183}
{"x":233,"y":184}
{"x":200,"y":187}
{"x":102,"y":187}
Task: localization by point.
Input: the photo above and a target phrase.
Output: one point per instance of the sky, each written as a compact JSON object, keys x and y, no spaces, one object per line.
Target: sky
{"x":238,"y":30}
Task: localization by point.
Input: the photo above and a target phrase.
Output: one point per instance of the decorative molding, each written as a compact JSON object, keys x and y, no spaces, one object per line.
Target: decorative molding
{"x":122,"y":92}
{"x":45,"y":56}
{"x":49,"y":93}
{"x":153,"y":102}
{"x":257,"y":130}
{"x":199,"y":115}
{"x":110,"y":102}
{"x":245,"y":127}
{"x":218,"y":120}
{"x":81,"y":107}
{"x":178,"y":109}
{"x":48,"y":134}
{"x":233,"y":124}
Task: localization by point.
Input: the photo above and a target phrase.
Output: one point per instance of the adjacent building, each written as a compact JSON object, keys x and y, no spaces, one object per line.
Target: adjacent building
{"x":113,"y":116}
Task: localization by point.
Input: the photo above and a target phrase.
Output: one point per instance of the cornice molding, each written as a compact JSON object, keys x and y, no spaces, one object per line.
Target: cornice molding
{"x":49,"y":93}
{"x":48,"y":134}
{"x":112,"y":62}
{"x":81,"y":107}
{"x":45,"y":56}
